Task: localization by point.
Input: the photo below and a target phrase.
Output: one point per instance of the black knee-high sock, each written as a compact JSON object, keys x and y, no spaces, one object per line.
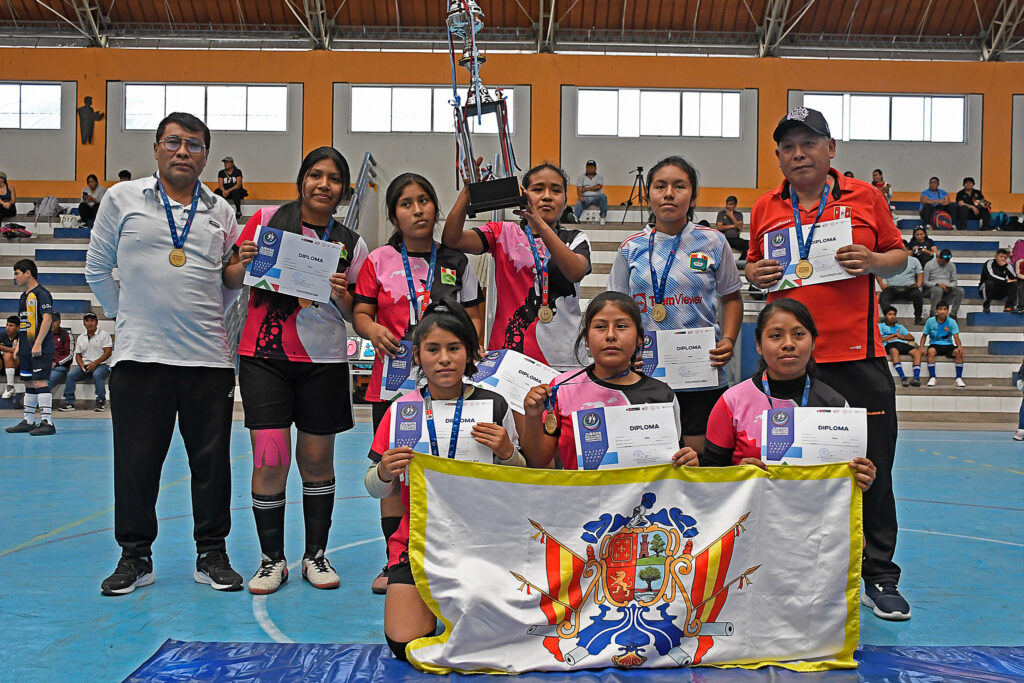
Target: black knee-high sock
{"x":389,"y":525}
{"x":317,"y":508}
{"x":269,"y":514}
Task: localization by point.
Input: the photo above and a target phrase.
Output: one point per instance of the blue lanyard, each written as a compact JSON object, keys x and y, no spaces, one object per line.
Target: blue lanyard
{"x":179,"y":241}
{"x":805,"y":247}
{"x":428,"y":409}
{"x":327,"y":232}
{"x":549,"y":404}
{"x":659,"y":287}
{"x":768,"y":393}
{"x":413,"y":297}
{"x":541,"y":265}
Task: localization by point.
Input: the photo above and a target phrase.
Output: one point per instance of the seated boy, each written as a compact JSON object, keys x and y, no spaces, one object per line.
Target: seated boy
{"x":944,"y":340}
{"x":897,"y":339}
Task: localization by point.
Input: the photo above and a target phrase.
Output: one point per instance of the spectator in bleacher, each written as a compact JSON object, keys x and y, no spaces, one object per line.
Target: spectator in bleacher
{"x":897,"y":339}
{"x":943,"y":337}
{"x":848,"y":174}
{"x":904,"y":286}
{"x":849,"y":352}
{"x":729,"y":223}
{"x":92,"y":193}
{"x":172,"y":241}
{"x":9,"y":352}
{"x":124,"y":175}
{"x":878,"y":181}
{"x":63,"y":352}
{"x":922,"y":247}
{"x":230,"y":185}
{"x":35,"y":350}
{"x":933,"y":199}
{"x":972,"y":205}
{"x":1019,"y":435}
{"x":92,"y":352}
{"x":940,"y":283}
{"x":588,"y":191}
{"x":999,"y":282}
{"x":8,"y":198}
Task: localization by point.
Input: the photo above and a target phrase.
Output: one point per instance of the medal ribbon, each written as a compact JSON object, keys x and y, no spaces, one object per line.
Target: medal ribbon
{"x":541,"y":265}
{"x":659,"y":287}
{"x":179,"y":241}
{"x":413,"y":297}
{"x":805,"y":247}
{"x":768,"y":393}
{"x":428,"y":410}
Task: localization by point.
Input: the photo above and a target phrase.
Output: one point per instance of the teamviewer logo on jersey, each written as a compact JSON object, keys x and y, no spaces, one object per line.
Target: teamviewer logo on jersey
{"x":778,"y":239}
{"x":591,"y":421}
{"x":269,"y":238}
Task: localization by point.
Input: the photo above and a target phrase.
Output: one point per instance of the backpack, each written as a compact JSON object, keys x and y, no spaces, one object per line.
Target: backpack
{"x":941,"y":220}
{"x":48,"y":206}
{"x":998,"y":220}
{"x":14,"y":230}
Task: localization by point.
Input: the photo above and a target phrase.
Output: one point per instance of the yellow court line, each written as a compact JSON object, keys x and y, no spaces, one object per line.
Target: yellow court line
{"x":88,"y":518}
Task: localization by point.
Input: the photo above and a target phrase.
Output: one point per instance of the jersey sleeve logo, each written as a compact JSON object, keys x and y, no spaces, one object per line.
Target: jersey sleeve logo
{"x":447,"y":276}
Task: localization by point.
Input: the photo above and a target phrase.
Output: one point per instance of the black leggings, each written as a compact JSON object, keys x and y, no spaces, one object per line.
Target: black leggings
{"x":398,"y":648}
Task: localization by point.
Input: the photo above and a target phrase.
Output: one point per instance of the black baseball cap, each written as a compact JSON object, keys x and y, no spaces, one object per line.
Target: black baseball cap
{"x":591,"y":162}
{"x":89,"y":315}
{"x":802,"y":116}
{"x":946,"y":254}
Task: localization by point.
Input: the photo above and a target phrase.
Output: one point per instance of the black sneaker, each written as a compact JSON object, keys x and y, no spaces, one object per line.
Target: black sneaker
{"x":101,"y":405}
{"x":915,"y":382}
{"x":214,"y":568}
{"x":67,"y":407}
{"x":985,"y":308}
{"x":905,"y":381}
{"x":131,"y":573}
{"x":22,"y":427}
{"x":885,"y":601}
{"x":919,"y":321}
{"x":43,"y":429}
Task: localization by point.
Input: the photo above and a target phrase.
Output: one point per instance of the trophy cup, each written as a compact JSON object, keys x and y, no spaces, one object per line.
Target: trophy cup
{"x":501,"y":189}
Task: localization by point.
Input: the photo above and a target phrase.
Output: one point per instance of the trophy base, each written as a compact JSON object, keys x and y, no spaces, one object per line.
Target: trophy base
{"x":490,"y":195}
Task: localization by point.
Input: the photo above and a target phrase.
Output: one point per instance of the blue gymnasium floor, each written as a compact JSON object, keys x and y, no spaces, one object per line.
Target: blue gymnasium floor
{"x":960,"y":498}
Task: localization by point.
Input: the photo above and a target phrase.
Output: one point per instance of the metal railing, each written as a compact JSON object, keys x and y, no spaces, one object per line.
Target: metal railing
{"x":367,"y":175}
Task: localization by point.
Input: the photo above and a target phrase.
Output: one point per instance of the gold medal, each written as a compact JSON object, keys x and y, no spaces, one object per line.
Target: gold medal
{"x":804,"y":269}
{"x":659,"y":313}
{"x":551,"y":423}
{"x":545,"y":314}
{"x":305,"y":303}
{"x":177,"y":257}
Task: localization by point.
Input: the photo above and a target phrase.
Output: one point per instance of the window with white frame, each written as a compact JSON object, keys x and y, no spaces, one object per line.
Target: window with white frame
{"x":631,"y":113}
{"x":417,"y":109}
{"x":914,"y":118}
{"x":221,"y":107}
{"x":30,"y":106}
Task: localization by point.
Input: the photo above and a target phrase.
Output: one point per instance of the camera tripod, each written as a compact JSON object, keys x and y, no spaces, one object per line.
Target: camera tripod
{"x":638,"y":192}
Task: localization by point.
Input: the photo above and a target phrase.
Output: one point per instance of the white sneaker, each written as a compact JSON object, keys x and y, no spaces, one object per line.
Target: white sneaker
{"x":931,"y":382}
{"x":271,"y":575}
{"x":9,"y":391}
{"x":602,"y":221}
{"x":1019,"y":436}
{"x":319,"y":572}
{"x":959,"y":382}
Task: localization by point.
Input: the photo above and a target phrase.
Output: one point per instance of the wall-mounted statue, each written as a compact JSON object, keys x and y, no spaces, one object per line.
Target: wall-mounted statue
{"x":87,"y":117}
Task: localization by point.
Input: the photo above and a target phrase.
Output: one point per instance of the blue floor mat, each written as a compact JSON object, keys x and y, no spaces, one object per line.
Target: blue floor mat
{"x":190,"y":661}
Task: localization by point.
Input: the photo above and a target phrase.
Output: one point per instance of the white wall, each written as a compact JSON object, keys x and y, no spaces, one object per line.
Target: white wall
{"x":429,"y":154}
{"x":720,"y":162}
{"x":1017,"y":146}
{"x":908,"y":165}
{"x":44,"y":154}
{"x":264,"y":157}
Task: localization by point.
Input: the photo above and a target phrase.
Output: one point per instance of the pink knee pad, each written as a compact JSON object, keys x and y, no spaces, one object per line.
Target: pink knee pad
{"x":271,"y":449}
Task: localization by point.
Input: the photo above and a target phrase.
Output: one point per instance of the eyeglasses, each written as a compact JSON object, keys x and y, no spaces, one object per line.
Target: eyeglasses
{"x":173,"y":144}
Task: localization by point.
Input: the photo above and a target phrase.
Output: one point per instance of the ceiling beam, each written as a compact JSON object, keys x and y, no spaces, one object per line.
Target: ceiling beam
{"x":546,"y":27}
{"x":997,"y":38}
{"x":775,"y":12}
{"x":77,"y":25}
{"x":90,"y":19}
{"x":313,"y":20}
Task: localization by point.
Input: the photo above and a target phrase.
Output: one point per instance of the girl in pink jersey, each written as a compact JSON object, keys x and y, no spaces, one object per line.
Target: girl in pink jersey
{"x":538,"y":265}
{"x":785,"y":335}
{"x":446,"y":348}
{"x":612,"y":331}
{"x":394,"y":288}
{"x":293,"y":369}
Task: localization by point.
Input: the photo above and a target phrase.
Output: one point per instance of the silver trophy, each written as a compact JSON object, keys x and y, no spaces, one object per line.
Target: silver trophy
{"x":501,"y":189}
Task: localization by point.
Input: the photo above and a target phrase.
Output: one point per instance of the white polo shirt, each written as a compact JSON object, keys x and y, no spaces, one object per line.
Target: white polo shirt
{"x":165,"y":314}
{"x":92,"y":349}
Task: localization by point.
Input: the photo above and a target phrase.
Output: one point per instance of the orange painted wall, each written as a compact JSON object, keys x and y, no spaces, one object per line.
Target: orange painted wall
{"x":546,"y":73}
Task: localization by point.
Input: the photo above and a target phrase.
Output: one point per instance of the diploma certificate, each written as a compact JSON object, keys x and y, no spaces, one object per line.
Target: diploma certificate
{"x":829,"y":236}
{"x":625,"y":436}
{"x":294,"y":264}
{"x":813,"y":436}
{"x":409,"y":428}
{"x":680,"y":357}
{"x":512,"y":375}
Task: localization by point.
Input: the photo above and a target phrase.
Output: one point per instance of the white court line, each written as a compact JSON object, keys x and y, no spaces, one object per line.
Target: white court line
{"x":259,"y":602}
{"x":973,"y":538}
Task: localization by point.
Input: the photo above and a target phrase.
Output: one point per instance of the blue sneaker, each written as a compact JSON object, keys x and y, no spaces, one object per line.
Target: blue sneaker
{"x":885,"y":601}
